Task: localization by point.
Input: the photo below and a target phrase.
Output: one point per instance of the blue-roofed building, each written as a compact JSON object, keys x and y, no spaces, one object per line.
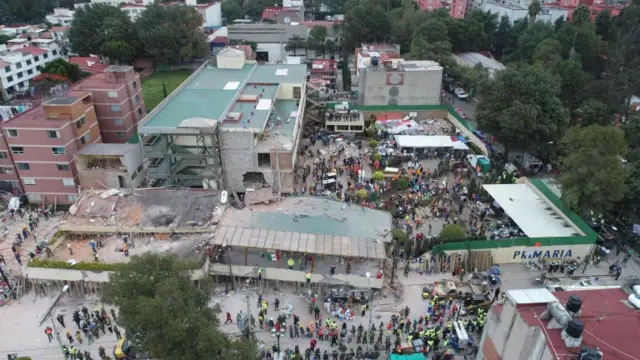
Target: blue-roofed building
{"x":234,"y":125}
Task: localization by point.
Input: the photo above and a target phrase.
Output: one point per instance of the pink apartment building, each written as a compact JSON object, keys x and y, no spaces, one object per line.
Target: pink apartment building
{"x":37,"y":147}
{"x":457,"y":8}
{"x":118,"y":100}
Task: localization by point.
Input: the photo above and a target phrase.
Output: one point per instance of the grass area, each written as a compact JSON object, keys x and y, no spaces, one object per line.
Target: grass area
{"x":152,"y":86}
{"x":93,"y":266}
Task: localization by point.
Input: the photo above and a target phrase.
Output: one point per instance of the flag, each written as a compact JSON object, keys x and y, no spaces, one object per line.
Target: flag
{"x":274,"y":257}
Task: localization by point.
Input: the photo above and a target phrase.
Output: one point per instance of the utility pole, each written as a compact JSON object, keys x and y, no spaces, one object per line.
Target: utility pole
{"x":53,"y":323}
{"x":4,"y":277}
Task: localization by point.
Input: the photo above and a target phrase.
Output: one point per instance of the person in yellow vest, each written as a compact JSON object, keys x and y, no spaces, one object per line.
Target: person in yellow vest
{"x":259,"y":274}
{"x":265,"y":306}
{"x":291,"y":263}
{"x":308,"y":277}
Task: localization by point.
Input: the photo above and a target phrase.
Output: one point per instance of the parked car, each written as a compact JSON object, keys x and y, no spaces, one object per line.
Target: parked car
{"x":461,"y":94}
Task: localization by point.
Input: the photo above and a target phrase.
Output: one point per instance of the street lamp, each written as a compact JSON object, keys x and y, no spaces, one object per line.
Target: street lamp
{"x":53,"y":323}
{"x":277,"y":335}
{"x":370,"y":300}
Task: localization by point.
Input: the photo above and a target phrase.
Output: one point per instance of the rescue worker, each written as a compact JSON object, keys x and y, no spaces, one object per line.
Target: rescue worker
{"x":291,"y":263}
{"x":308,"y":277}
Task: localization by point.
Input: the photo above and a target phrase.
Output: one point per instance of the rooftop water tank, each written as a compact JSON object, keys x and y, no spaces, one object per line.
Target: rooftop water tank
{"x":574,"y":328}
{"x":573,"y":304}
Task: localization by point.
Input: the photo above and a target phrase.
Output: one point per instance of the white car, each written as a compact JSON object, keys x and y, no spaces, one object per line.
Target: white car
{"x":461,"y":94}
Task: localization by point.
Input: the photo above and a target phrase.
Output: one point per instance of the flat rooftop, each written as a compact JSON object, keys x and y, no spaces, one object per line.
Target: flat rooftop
{"x":217,"y":94}
{"x":311,"y":215}
{"x":143,"y":210}
{"x":610,"y":324}
{"x":534,"y":214}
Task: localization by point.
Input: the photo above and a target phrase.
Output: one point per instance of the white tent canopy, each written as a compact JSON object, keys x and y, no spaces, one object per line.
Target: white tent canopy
{"x":429,"y":141}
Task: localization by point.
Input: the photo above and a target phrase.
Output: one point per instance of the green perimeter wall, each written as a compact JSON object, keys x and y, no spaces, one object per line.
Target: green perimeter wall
{"x":588,"y":239}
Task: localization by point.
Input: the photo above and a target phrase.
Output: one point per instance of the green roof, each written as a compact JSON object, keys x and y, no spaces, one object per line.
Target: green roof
{"x":202,"y":97}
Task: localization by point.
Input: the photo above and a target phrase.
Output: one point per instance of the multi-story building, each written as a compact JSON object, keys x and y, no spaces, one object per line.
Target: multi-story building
{"x":399,"y":82}
{"x":133,"y":10}
{"x":61,"y":17}
{"x":271,"y":39}
{"x":110,"y":166}
{"x":457,"y":8}
{"x":118,"y":100}
{"x":41,"y":144}
{"x":240,"y":116}
{"x":20,"y":65}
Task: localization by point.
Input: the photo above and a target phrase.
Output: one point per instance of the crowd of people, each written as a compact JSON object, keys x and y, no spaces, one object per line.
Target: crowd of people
{"x":89,"y":326}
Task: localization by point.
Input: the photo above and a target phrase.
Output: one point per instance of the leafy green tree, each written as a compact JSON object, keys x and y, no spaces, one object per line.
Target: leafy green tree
{"x":532,"y":36}
{"x":583,"y":43}
{"x":64,"y":68}
{"x":593,"y":112}
{"x":593,"y":175}
{"x":232,"y":10}
{"x":465,"y":35}
{"x":489,"y":22}
{"x":534,"y":10}
{"x":581,"y":15}
{"x":404,"y":22}
{"x":118,"y":51}
{"x":430,"y":42}
{"x":25,"y":11}
{"x":294,"y":44}
{"x":365,"y":24}
{"x":165,"y":314}
{"x":559,"y":22}
{"x":573,"y":83}
{"x":604,"y":22}
{"x":518,"y":29}
{"x":548,"y":54}
{"x":317,"y":39}
{"x":452,"y":232}
{"x":522,"y":109}
{"x":171,"y":34}
{"x":254,"y":8}
{"x":94,"y":25}
{"x":501,"y":42}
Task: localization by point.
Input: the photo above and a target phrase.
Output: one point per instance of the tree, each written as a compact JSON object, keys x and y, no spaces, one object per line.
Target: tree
{"x":64,"y":68}
{"x":365,"y":24}
{"x":501,"y":42}
{"x":171,"y":34}
{"x":593,"y":176}
{"x":548,"y":54}
{"x":430,"y":42}
{"x":165,"y":314}
{"x":532,"y":36}
{"x":317,"y":39}
{"x":604,"y":22}
{"x":581,"y":15}
{"x":294,"y":44}
{"x":581,"y":42}
{"x":118,"y":51}
{"x":573,"y":83}
{"x":404,"y":22}
{"x":4,"y":39}
{"x":559,"y":22}
{"x":231,"y":10}
{"x":452,"y":232}
{"x":593,"y":112}
{"x":489,"y":23}
{"x":94,"y":25}
{"x":522,"y":109}
{"x":534,"y":9}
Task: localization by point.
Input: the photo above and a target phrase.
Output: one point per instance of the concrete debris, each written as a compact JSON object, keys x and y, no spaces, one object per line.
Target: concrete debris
{"x":109,"y":193}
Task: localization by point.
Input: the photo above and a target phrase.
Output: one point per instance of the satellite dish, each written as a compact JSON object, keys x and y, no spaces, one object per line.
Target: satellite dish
{"x":287,"y":20}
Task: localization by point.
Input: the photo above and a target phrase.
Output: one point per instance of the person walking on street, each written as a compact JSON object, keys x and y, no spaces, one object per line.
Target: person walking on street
{"x":89,"y":338}
{"x":17,"y":254}
{"x":49,"y":333}
{"x":69,"y":337}
{"x":117,"y":332}
{"x":276,"y":304}
{"x":72,"y":352}
{"x":79,"y":337}
{"x":60,"y":319}
{"x":618,"y":272}
{"x":229,"y":320}
{"x":69,"y":248}
{"x":308,"y":277}
{"x":113,"y":315}
{"x":626,"y":258}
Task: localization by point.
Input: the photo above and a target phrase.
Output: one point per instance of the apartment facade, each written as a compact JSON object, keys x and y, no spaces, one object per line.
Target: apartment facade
{"x":22,"y":64}
{"x":118,"y":101}
{"x":457,"y":8}
{"x":41,"y":144}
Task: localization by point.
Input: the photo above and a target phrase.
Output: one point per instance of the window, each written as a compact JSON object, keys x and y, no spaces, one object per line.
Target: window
{"x":54,"y":52}
{"x":80,"y":122}
{"x":68,"y":182}
{"x":134,"y":174}
{"x":1,"y":170}
{"x":140,"y":168}
{"x":19,"y":75}
{"x":10,"y":172}
{"x":72,"y":198}
{"x":83,"y":141}
{"x":12,"y":133}
{"x":53,"y":134}
{"x":18,"y":65}
{"x":23,"y":166}
{"x":36,"y":58}
{"x":264,"y":160}
{"x":57,"y":150}
{"x":118,"y":122}
{"x":342,"y":127}
{"x":34,"y":197}
{"x":9,"y":78}
{"x":137,"y":97}
{"x":29,"y":181}
{"x":297,"y":92}
{"x":29,"y":72}
{"x":3,"y":155}
{"x":116,"y":108}
{"x":121,"y":134}
{"x":39,"y":67}
{"x":45,"y":56}
{"x":134,"y":84}
{"x":17,"y":150}
{"x":356,"y":128}
{"x":29,"y":62}
{"x":63,"y":167}
{"x":7,"y":69}
{"x":85,"y":138}
{"x":112,"y":94}
{"x":140,"y":110}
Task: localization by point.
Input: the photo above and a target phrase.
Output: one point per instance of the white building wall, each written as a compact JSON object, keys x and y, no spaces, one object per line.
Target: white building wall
{"x":213,"y":15}
{"x":22,"y":64}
